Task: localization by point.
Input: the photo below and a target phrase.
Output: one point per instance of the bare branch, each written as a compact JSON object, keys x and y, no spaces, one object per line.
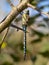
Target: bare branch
{"x":19,"y":28}
{"x":29,"y":5}
{"x":19,"y":8}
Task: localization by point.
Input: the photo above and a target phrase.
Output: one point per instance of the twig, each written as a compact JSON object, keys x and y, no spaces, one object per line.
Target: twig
{"x":11,"y":4}
{"x":12,"y":25}
{"x":29,"y":5}
{"x":4,"y":38}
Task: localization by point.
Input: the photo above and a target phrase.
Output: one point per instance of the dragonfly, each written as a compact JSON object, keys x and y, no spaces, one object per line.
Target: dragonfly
{"x":25,"y":18}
